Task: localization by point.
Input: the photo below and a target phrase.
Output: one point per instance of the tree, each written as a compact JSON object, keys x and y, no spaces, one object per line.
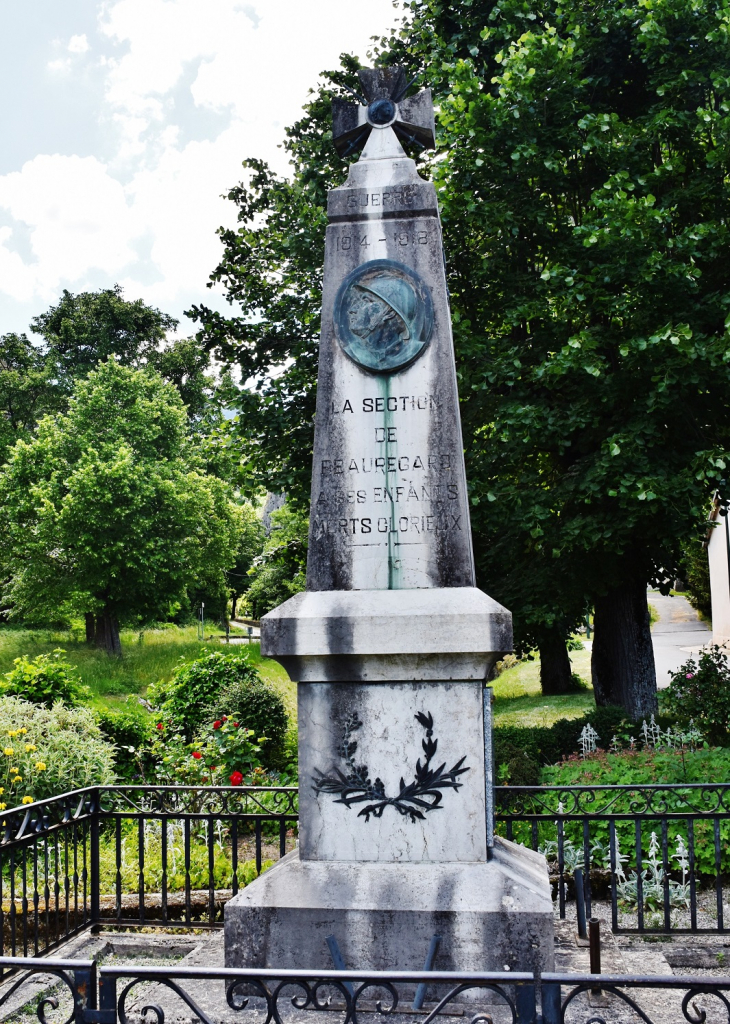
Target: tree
{"x":107,"y":510}
{"x":82,"y":330}
{"x":586,"y":181}
{"x":250,"y":545}
{"x":582,"y":175}
{"x":26,"y":388}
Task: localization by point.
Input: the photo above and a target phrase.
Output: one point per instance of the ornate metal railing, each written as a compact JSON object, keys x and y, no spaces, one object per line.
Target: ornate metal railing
{"x":135,"y":855}
{"x":87,"y":994}
{"x":172,"y":856}
{"x":660,"y":853}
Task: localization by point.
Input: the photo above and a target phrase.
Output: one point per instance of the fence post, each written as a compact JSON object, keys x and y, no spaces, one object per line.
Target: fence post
{"x":551,"y":997}
{"x":94,"y":880}
{"x":525,"y":1003}
{"x":85,"y":989}
{"x":107,"y":998}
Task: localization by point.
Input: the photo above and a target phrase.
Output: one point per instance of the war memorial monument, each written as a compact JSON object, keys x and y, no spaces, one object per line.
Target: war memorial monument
{"x":391,"y":643}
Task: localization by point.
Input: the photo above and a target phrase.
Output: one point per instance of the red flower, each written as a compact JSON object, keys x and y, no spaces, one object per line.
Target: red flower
{"x":235,"y":725}
{"x":217,"y":725}
{"x":225,"y":718}
{"x":197,"y":755}
{"x":160,"y":725}
{"x":236,"y":779}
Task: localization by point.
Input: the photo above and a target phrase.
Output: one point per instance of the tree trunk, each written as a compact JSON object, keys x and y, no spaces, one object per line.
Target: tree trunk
{"x":107,"y":634}
{"x":622,"y":660}
{"x":555,"y":670}
{"x":234,"y":602}
{"x":90,"y":628}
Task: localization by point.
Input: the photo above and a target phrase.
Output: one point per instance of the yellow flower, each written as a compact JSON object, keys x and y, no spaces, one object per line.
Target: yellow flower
{"x":8,"y":751}
{"x":40,"y":766}
{"x":3,"y":806}
{"x":22,"y":732}
{"x":27,"y":800}
{"x":18,"y":778}
{"x":2,"y":790}
{"x":30,"y":748}
{"x":14,"y":769}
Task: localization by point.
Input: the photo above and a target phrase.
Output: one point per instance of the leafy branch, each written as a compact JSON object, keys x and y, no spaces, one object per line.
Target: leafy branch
{"x":354,"y":786}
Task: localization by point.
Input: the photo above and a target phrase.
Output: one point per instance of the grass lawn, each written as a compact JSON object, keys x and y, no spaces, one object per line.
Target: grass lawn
{"x":154,"y":653}
{"x":518,"y":700}
{"x":147,"y":657}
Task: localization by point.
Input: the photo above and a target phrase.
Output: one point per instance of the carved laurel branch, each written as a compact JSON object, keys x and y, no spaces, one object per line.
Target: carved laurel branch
{"x":414,"y":800}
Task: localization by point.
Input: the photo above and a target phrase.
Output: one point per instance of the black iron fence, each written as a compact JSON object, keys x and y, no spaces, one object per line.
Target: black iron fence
{"x":659,"y":853}
{"x":173,"y":856}
{"x":87,"y":994}
{"x":135,"y":855}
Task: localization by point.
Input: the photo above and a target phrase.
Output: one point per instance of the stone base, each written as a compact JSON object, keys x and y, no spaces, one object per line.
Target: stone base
{"x":490,"y":915}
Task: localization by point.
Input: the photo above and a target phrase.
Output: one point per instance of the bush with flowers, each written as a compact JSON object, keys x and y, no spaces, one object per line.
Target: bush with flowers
{"x":185,"y":701}
{"x":47,"y":751}
{"x":700,"y":691}
{"x":224,"y":754}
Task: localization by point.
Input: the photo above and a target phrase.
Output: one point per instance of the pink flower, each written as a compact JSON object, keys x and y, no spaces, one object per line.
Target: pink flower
{"x":690,"y":675}
{"x":236,"y":778}
{"x":197,"y":755}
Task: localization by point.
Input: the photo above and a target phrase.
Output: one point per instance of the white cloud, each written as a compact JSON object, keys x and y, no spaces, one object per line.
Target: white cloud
{"x":78,"y":44}
{"x":189,"y":90}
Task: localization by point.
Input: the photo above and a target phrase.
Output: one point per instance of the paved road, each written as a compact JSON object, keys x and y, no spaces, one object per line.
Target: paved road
{"x":678,"y":634}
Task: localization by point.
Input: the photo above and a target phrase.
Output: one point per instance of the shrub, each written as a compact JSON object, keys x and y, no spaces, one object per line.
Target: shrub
{"x":67,"y":742}
{"x":129,"y":732}
{"x":188,"y":699}
{"x":701,"y":691}
{"x":520,"y":753}
{"x":260,"y":708}
{"x":44,"y":680}
{"x":224,"y":754}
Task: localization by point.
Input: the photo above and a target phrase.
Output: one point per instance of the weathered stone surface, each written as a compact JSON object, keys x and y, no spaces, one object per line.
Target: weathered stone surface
{"x":390,"y":743}
{"x":383,"y":916}
{"x":389,"y":503}
{"x":326,"y":636}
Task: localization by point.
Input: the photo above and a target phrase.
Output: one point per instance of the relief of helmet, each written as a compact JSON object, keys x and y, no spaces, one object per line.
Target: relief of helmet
{"x":383,"y":316}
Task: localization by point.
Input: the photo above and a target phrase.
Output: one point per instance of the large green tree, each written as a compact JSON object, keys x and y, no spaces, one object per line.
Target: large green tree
{"x":27,"y":389}
{"x":82,"y":330}
{"x":583,"y":181}
{"x":107,"y":510}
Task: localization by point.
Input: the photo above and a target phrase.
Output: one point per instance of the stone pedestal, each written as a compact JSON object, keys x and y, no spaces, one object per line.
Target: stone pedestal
{"x":392,"y":642}
{"x":491,"y":915}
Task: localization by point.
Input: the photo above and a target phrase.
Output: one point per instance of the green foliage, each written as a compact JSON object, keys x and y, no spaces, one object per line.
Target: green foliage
{"x":66,"y":741}
{"x":250,"y":546}
{"x":189,"y":699}
{"x":259,"y":707}
{"x":700,"y":691}
{"x":582,"y":177}
{"x":695,"y":571}
{"x":130,"y":733}
{"x":107,"y":509}
{"x":583,"y":185}
{"x":45,"y":679}
{"x":27,"y":389}
{"x":175,"y":878}
{"x":520,"y":753}
{"x":648,"y":767}
{"x":83,"y":330}
{"x":223,"y":753}
{"x":280,"y":571}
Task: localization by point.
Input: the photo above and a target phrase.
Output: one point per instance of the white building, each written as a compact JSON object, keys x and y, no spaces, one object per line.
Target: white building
{"x":718,"y":552}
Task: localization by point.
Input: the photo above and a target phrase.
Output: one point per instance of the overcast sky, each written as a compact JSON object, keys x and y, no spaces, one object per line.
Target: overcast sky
{"x":123,"y":121}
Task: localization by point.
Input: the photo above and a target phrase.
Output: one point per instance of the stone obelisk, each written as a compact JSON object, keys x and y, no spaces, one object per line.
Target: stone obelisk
{"x":391,"y":643}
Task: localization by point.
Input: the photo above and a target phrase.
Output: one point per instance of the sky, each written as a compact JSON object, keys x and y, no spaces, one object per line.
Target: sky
{"x":123,"y":121}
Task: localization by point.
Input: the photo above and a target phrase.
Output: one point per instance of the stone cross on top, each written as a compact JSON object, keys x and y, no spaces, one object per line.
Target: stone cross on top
{"x":383,"y":106}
